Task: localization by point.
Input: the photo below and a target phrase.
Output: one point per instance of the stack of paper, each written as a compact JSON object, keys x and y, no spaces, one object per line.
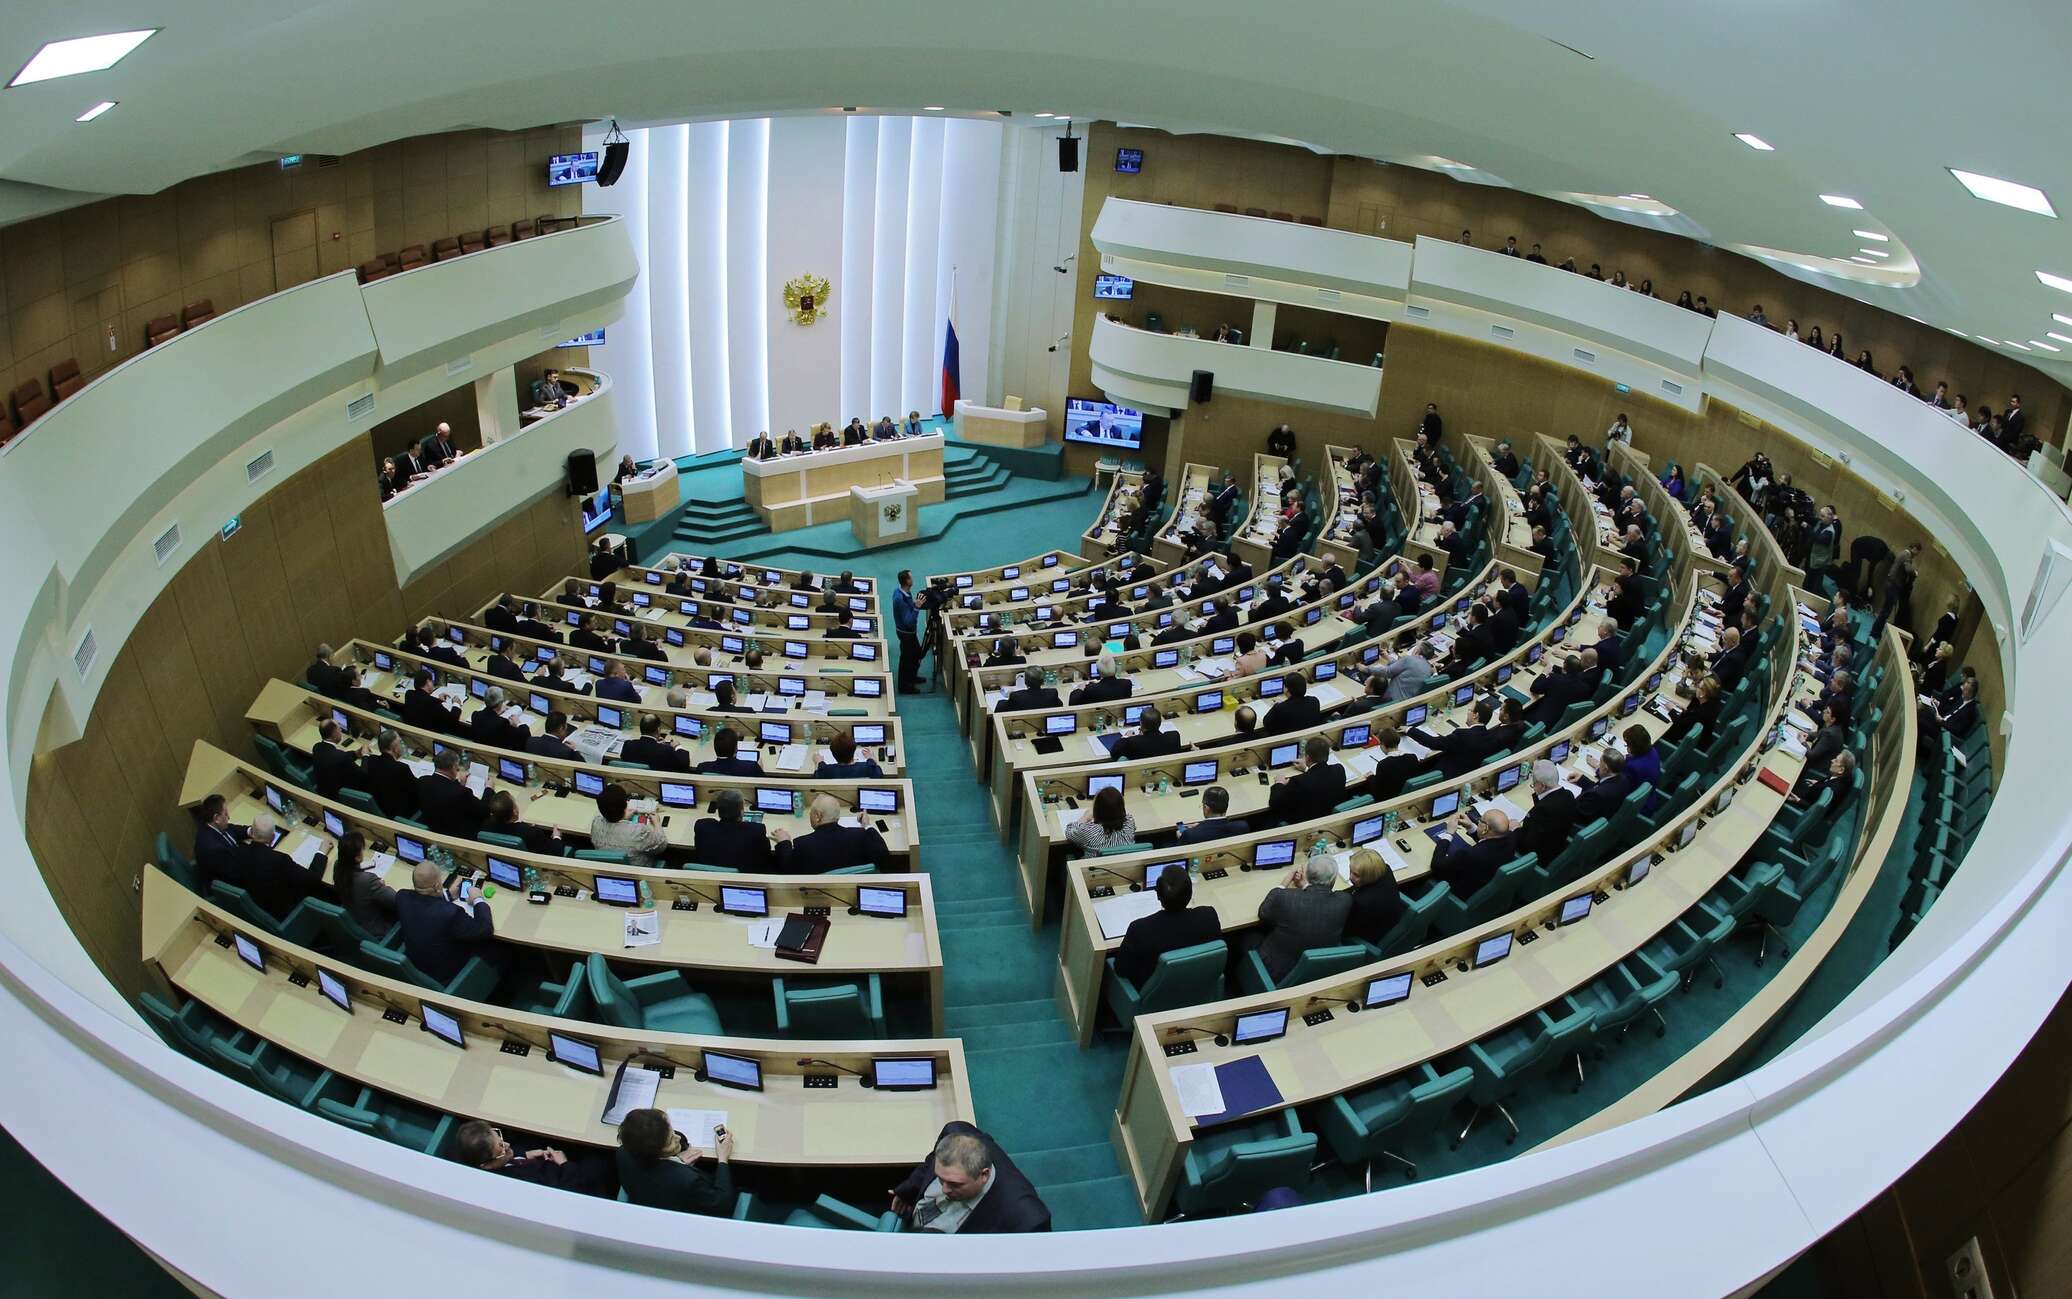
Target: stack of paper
{"x":1116,"y":913}
{"x":1197,"y":1089}
{"x":419,"y":767}
{"x":478,"y":778}
{"x":635,"y":1090}
{"x":305,"y":850}
{"x":792,"y":757}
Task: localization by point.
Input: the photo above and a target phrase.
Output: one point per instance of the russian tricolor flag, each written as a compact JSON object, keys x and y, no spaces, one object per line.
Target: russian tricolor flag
{"x":951,"y":370}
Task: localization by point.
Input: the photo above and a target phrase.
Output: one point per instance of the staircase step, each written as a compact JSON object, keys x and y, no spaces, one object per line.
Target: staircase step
{"x":1091,"y":1205}
{"x":1024,"y":1033}
{"x":958,"y":1019}
{"x":1068,"y":1166}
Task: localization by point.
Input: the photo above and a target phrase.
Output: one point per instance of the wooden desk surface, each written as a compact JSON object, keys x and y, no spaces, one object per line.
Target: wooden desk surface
{"x":1516,"y":533}
{"x":702,"y":939}
{"x":786,"y":1123}
{"x":1185,"y":496}
{"x":390,"y":684}
{"x":1343,"y":505}
{"x":290,"y":715}
{"x":999,"y":575}
{"x":1100,"y":537}
{"x":666,"y":612}
{"x":757,"y":574}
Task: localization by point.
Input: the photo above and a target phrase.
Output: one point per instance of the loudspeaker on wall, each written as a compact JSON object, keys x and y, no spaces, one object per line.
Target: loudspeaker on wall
{"x":582,"y":473}
{"x":1204,"y":387}
{"x":614,"y":163}
{"x":1068,"y":154}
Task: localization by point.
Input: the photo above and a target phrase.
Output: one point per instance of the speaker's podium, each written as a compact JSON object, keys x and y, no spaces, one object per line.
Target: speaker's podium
{"x":884,"y":513}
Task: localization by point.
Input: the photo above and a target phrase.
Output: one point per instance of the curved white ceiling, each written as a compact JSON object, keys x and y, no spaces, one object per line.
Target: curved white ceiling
{"x":1869,"y":100}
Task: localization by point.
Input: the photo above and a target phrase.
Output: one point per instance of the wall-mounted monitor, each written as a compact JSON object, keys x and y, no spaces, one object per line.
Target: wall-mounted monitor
{"x":571,"y":168}
{"x":1118,"y":287}
{"x":1129,"y":160}
{"x":595,"y":338}
{"x":1103,"y":423}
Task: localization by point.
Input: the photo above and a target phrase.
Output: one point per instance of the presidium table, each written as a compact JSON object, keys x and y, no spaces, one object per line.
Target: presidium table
{"x":797,"y":491}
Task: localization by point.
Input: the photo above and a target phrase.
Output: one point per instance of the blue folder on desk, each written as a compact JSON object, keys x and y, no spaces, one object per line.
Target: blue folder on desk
{"x":1110,"y":741}
{"x":1247,"y":1088}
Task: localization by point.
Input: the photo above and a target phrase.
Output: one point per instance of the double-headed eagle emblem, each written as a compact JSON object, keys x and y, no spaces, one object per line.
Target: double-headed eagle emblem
{"x":806,"y":298}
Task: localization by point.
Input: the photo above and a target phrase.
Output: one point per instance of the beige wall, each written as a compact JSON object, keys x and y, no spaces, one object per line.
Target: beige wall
{"x":310,"y":564}
{"x":68,"y":281}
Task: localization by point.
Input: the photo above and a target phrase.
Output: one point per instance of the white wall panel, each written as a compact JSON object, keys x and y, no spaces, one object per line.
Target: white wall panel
{"x":668,"y":278}
{"x":705,"y":285}
{"x":853,"y":288}
{"x":970,"y":206}
{"x":920,"y":385}
{"x":888,"y":272}
{"x":1041,"y":208}
{"x":808,"y":157}
{"x":627,"y":353}
{"x":748,"y":158}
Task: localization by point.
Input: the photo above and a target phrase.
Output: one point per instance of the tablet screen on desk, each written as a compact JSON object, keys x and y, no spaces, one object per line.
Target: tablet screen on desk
{"x":334,"y":992}
{"x":794,"y":649}
{"x":903,"y":1075}
{"x":869,"y":688}
{"x":1198,"y":773}
{"x":732,"y":644}
{"x":618,"y":890}
{"x":1060,"y":724}
{"x":797,"y":622}
{"x":1095,"y":784}
{"x":1223,"y":645}
{"x":589,"y":783}
{"x":857,"y":604}
{"x":963,"y":580}
{"x":1271,"y":686}
{"x":744,"y":900}
{"x":1132,"y":714}
{"x":1017,"y":594}
{"x":1282,"y":755}
{"x":620,"y":627}
{"x":1491,"y":950}
{"x":1463,"y":694}
{"x":734,"y":1071}
{"x":891,"y":904}
{"x":441,"y":1025}
{"x":1576,"y":908}
{"x":867,"y":734}
{"x":800,"y":600}
{"x":478,"y":687}
{"x":409,"y":849}
{"x":1264,"y":1026}
{"x":677,"y":794}
{"x":1273,"y":852}
{"x":505,"y":874}
{"x":1165,"y":658}
{"x":1352,"y":737}
{"x":791,"y":685}
{"x":574,"y":1052}
{"x":1507,"y":778}
{"x":775,"y":732}
{"x":1367,"y":831}
{"x":1011,"y":572}
{"x":609,"y":716}
{"x":867,"y":653}
{"x":687,"y":726}
{"x":1063,"y":639}
{"x":1388,"y":990}
{"x":881,"y":802}
{"x":333,"y":824}
{"x":248,"y":952}
{"x":744,"y":616}
{"x":642,"y":599}
{"x":656,"y":676}
{"x":1324,"y":672}
{"x":1208,"y":701}
{"x":773,"y":800}
{"x":596,"y":665}
{"x":275,"y":800}
{"x":1156,"y":869}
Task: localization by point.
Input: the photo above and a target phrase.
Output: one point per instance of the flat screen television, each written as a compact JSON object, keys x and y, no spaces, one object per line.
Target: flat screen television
{"x":571,"y":168}
{"x":1119,"y":288}
{"x":1103,"y":423}
{"x":597,"y":510}
{"x":595,"y":338}
{"x":1129,"y":160}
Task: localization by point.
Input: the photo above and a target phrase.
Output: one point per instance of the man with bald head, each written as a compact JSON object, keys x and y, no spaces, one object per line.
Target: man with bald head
{"x":440,"y":932}
{"x":271,"y":876}
{"x":1469,"y":857}
{"x":829,"y":845}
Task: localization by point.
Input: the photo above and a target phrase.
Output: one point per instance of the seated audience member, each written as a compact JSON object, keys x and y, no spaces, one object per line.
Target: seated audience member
{"x":334,"y":764}
{"x":1601,"y":797}
{"x":1643,"y":761}
{"x":1108,"y":825}
{"x":502,"y":813}
{"x":1296,"y":710}
{"x":1315,"y":786}
{"x":659,"y":1168}
{"x":1215,"y":823}
{"x":1552,"y":819}
{"x":479,"y":1145}
{"x":727,"y":839}
{"x":1469,"y":856}
{"x":547,"y":390}
{"x":490,"y":727}
{"x":273,"y":879}
{"x":1303,"y":912}
{"x":651,"y":749}
{"x":842,"y":748}
{"x":447,"y":805}
{"x":725,"y":759}
{"x":552,"y":741}
{"x":1152,"y":739}
{"x":612,"y":830}
{"x":422,"y":709}
{"x":968,"y":1186}
{"x":1377,"y":903}
{"x":366,"y":898}
{"x":1108,"y":686}
{"x":218,"y":843}
{"x":440,"y":933}
{"x":1394,"y":765}
{"x":1174,"y":925}
{"x":829,"y":845}
{"x":1005,"y":653}
{"x":1029,"y":695}
{"x":618,"y":686}
{"x":389,"y":779}
{"x":1834,"y":780}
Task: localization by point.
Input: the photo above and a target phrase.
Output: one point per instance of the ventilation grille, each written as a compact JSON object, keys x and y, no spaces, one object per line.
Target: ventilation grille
{"x":1418,"y":313}
{"x":551,"y":332}
{"x":168,"y":542}
{"x":1672,"y":388}
{"x":360,"y":408}
{"x":89,"y":650}
{"x":1503,"y":331}
{"x":259,"y":468}
{"x":1236,"y":281}
{"x":1585,"y":355}
{"x":1329,"y":295}
{"x":459,"y":365}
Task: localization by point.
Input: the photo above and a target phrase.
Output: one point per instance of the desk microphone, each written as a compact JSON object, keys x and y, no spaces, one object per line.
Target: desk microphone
{"x":1222,"y":1039}
{"x":863,"y":1079}
{"x":685,"y":888}
{"x":1136,"y":885}
{"x":854,"y":910}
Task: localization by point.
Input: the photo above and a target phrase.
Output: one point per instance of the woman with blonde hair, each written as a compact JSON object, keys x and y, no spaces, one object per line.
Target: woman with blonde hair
{"x":1377,"y":903}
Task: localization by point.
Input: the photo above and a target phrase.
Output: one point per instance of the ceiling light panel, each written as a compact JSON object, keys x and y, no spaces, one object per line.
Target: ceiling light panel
{"x":81,"y":54}
{"x":2008,"y":193}
{"x":2058,"y":282}
{"x":1871,"y":235}
{"x":98,"y":109}
{"x":1756,"y":142}
{"x":1838,"y":200}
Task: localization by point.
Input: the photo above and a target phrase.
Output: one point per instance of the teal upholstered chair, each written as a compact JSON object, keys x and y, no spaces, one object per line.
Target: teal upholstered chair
{"x":1185,"y":976}
{"x":395,"y":1121}
{"x":476,"y":981}
{"x":1355,"y":1123}
{"x":841,"y":1010}
{"x":340,"y":934}
{"x":1624,"y":993}
{"x":1228,"y":1168}
{"x":174,"y":864}
{"x":1505,"y":1060}
{"x":1315,"y":963}
{"x":1419,"y":914}
{"x":663,"y":1002}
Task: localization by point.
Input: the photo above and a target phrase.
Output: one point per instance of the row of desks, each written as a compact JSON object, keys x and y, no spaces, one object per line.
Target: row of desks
{"x":1253,"y":539}
{"x":1103,"y":538}
{"x":757,"y":575}
{"x":1188,"y":498}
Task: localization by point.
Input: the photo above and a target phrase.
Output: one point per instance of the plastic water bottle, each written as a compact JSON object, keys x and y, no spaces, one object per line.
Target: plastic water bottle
{"x":798,"y":801}
{"x":1165,"y":782}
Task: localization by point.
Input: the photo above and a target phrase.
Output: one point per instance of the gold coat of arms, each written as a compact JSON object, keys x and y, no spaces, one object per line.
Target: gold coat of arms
{"x":806,"y":298}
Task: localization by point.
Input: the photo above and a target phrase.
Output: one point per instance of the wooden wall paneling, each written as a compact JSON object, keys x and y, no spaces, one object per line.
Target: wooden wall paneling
{"x":102,"y":911}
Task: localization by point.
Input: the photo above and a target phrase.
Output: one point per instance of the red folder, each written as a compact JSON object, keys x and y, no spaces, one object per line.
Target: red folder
{"x":1774,"y":781}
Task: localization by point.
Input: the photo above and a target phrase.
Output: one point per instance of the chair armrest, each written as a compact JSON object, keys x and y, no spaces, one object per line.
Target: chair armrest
{"x":1252,"y":973}
{"x":651,"y":988}
{"x":853,"y":1216}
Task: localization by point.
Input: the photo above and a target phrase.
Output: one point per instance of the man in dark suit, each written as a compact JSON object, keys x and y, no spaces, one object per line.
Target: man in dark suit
{"x":1222,"y":620}
{"x":586,"y":636}
{"x":1958,"y":714}
{"x":724,"y":839}
{"x":829,"y":845}
{"x":617,"y":686}
{"x":1030,"y":696}
{"x":1734,"y":599}
{"x":1513,"y":596}
{"x":1303,"y":912}
{"x":335,"y":767}
{"x":489,"y":727}
{"x":431,"y":641}
{"x":502,"y":666}
{"x":1460,"y":751}
{"x":321,"y":675}
{"x":1603,"y":796}
{"x":552,"y":741}
{"x":726,"y":747}
{"x":651,"y":750}
{"x":1223,"y":497}
{"x":502,"y":616}
{"x":1394,"y":765}
{"x":1275,"y":605}
{"x":1152,"y":739}
{"x":1457,"y":513}
{"x":1468,"y":858}
{"x":449,"y":806}
{"x":1553,"y":816}
{"x":1627,"y":600}
{"x":2014,"y":426}
{"x":1174,"y":925}
{"x":1315,"y":787}
{"x":273,"y":879}
{"x":968,"y":1185}
{"x":1295,"y":711}
{"x":1611,"y":651}
{"x":422,"y":709}
{"x":503,"y":819}
{"x":218,"y":844}
{"x":639,"y":646}
{"x":1215,"y":802}
{"x":1732,"y":661}
{"x":1381,"y":613}
{"x":479,"y":1145}
{"x":389,"y":779}
{"x":762,"y":447}
{"x":440,"y":934}
{"x":529,"y":625}
{"x":1476,"y":642}
{"x":1553,"y":692}
{"x":842,"y":748}
{"x":1109,"y":686}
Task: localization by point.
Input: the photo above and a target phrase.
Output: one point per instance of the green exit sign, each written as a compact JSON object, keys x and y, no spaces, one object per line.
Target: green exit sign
{"x":231,"y":526}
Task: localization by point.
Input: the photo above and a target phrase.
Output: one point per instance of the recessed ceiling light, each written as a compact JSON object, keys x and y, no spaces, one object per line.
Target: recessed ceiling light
{"x":2062,"y":320}
{"x":2045,"y":346}
{"x":1046,"y":114}
{"x":2058,"y":282}
{"x":1642,"y":198}
{"x":1837,"y":200}
{"x":1958,"y":332}
{"x":1994,"y":341}
{"x":931,"y":108}
{"x":2019,"y":347}
{"x":1865,"y":260}
{"x":81,"y":54}
{"x":1871,"y":235}
{"x":98,"y":109}
{"x":2006,"y":192}
{"x":1874,"y":252}
{"x":1755,"y":142}
{"x":2060,"y":337}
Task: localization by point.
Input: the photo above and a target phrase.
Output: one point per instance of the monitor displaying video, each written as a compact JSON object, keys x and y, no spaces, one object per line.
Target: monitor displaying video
{"x":1115,"y":287}
{"x":1388,"y":990}
{"x":1103,"y":423}
{"x":881,"y":802}
{"x":1261,"y":1026}
{"x":1129,"y":160}
{"x":1198,"y":773}
{"x":891,"y":904}
{"x":1273,"y":852}
{"x":571,"y":168}
{"x":1491,"y":950}
{"x":744,"y":900}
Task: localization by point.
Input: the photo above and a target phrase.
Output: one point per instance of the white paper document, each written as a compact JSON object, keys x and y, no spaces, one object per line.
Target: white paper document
{"x":377,"y":861}
{"x":305,"y":850}
{"x":1199,"y":1091}
{"x":643,"y":929}
{"x":1115,"y":913}
{"x":636,"y":1091}
{"x":697,"y":1125}
{"x":419,"y":768}
{"x":763,"y":933}
{"x":792,"y":757}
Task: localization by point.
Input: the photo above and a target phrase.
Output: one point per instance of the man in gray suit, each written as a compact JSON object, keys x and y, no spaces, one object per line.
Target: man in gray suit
{"x":1406,"y":673}
{"x":1302,"y":913}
